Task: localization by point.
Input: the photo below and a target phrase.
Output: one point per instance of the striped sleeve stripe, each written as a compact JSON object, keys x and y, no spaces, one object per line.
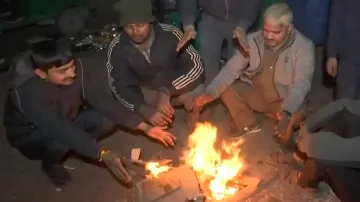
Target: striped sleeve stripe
{"x":111,"y":79}
{"x":196,"y":71}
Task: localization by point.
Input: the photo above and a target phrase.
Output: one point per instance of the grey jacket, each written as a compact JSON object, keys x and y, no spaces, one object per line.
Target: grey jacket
{"x":327,"y":145}
{"x":243,"y":12}
{"x":293,"y":70}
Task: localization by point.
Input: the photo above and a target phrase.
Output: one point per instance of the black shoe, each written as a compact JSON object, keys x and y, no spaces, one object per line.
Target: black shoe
{"x":57,"y":173}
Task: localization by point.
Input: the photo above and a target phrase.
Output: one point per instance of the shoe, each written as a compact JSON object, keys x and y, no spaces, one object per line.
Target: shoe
{"x":12,"y":18}
{"x":57,"y":173}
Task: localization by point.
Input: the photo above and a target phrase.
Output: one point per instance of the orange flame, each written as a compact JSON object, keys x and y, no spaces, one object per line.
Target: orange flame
{"x":214,"y":168}
{"x":155,"y":168}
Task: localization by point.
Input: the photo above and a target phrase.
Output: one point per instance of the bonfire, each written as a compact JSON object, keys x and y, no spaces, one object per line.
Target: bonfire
{"x":216,"y":168}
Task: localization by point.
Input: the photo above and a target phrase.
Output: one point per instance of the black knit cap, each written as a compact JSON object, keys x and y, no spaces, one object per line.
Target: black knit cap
{"x":134,"y":11}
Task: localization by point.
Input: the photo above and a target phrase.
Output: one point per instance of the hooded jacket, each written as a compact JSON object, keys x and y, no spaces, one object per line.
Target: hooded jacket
{"x":36,"y":104}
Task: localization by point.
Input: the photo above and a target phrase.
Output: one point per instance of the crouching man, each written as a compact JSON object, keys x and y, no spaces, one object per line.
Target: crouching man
{"x":328,"y":142}
{"x":57,"y":103}
{"x":274,"y":76}
{"x":144,"y":66}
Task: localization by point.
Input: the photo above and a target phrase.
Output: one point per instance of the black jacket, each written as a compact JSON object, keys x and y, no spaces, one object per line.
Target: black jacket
{"x":35,"y":104}
{"x":129,"y":69}
{"x":241,"y":12}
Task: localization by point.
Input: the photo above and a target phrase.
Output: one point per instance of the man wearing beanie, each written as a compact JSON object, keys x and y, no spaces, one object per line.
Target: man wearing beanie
{"x":145,"y":70}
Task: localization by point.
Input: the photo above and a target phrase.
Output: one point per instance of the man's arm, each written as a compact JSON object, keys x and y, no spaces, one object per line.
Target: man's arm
{"x":335,"y":27}
{"x":303,"y":73}
{"x":188,"y":11}
{"x":227,"y":75}
{"x":191,"y":71}
{"x":249,"y":12}
{"x":123,"y":83}
{"x":44,"y":114}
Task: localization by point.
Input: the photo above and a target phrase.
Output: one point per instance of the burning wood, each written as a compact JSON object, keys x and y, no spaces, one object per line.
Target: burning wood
{"x":217,"y":172}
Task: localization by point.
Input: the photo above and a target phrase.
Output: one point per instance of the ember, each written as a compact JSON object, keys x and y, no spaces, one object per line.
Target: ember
{"x":155,"y":168}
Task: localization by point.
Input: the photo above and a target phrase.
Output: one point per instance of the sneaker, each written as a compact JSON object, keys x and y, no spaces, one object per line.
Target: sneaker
{"x":58,"y":175}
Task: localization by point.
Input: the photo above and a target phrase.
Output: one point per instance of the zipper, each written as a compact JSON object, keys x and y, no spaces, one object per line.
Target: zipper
{"x":227,"y":9}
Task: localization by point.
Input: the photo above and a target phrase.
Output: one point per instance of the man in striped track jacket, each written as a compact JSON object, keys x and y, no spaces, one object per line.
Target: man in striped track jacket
{"x":143,"y":63}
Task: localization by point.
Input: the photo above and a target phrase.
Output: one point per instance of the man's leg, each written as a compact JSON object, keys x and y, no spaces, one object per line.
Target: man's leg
{"x":344,"y":182}
{"x":348,"y":80}
{"x":211,"y":40}
{"x":37,"y":146}
{"x":242,"y":100}
{"x":94,"y":123}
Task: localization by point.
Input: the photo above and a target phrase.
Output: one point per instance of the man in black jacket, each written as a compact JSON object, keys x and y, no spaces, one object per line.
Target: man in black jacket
{"x":57,"y":103}
{"x":144,"y":57}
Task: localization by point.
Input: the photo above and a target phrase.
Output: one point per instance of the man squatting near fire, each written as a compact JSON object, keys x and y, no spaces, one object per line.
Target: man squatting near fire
{"x":59,"y":103}
{"x":275,"y":78}
{"x":145,"y":68}
{"x":328,"y":148}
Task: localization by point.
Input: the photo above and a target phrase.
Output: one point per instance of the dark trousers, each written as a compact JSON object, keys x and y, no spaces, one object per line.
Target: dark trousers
{"x":343,"y":180}
{"x":38,"y":146}
{"x":343,"y":177}
{"x":348,"y":79}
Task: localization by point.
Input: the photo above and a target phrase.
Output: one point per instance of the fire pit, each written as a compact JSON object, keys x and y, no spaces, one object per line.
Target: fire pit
{"x":208,"y":174}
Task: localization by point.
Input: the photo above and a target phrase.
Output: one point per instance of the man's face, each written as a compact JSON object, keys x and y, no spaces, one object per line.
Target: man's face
{"x":64,"y":75}
{"x":138,"y":33}
{"x":273,"y":33}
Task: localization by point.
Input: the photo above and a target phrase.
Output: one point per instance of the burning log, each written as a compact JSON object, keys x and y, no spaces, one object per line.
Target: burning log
{"x":208,"y":174}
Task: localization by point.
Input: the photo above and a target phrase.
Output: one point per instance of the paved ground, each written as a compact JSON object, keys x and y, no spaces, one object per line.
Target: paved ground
{"x":22,"y":181}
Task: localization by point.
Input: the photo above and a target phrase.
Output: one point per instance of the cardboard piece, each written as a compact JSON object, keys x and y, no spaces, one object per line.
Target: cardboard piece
{"x":135,"y":154}
{"x":177,"y":185}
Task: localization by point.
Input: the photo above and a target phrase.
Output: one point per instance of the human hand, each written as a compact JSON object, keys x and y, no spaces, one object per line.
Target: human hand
{"x":113,"y":162}
{"x":158,"y":133}
{"x":283,"y":118}
{"x":160,"y":119}
{"x":200,"y":101}
{"x":189,"y":34}
{"x":240,"y":34}
{"x":304,"y":139}
{"x":332,"y":66}
{"x":163,"y":104}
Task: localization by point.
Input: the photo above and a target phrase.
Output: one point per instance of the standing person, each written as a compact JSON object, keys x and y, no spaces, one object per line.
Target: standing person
{"x":58,"y":103}
{"x":343,"y":47}
{"x":221,"y":21}
{"x":143,"y":64}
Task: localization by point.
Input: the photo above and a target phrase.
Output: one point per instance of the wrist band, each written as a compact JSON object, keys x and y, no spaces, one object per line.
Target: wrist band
{"x":102,"y":153}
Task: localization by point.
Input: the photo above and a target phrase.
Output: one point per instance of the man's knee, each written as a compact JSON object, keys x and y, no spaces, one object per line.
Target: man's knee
{"x":230,"y":98}
{"x":94,"y":123}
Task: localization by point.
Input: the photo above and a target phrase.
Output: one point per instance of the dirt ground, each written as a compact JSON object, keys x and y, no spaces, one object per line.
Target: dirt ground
{"x":22,"y":181}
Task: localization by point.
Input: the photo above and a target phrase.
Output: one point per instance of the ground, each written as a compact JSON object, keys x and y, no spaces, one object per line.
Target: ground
{"x":22,"y":181}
